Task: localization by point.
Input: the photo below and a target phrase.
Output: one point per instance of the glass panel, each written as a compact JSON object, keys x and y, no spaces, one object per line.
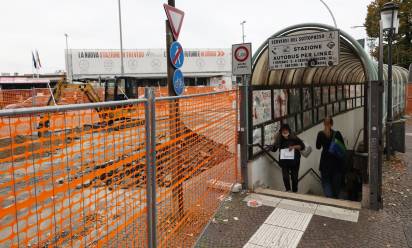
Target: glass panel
{"x":291,"y":122}
{"x":349,"y":104}
{"x":347,"y":91}
{"x":329,"y":110}
{"x":299,"y":127}
{"x":280,"y":99}
{"x":294,"y":101}
{"x":336,"y":109}
{"x":359,"y":90}
{"x":257,"y":139}
{"x":342,"y":106}
{"x":317,"y":96}
{"x":332,"y":93}
{"x":358,"y":102}
{"x":325,"y":95}
{"x":363,"y":90}
{"x":307,"y":98}
{"x":322,"y":113}
{"x":352,"y":91}
{"x":340,"y":93}
{"x":315,"y":116}
{"x":270,"y":133}
{"x":261,"y":106}
{"x":307,"y":119}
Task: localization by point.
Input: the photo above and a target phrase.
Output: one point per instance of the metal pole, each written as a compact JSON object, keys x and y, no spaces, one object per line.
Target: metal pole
{"x":244,"y":148}
{"x":121,"y":40}
{"x":175,"y":123}
{"x":333,"y":17}
{"x":150,"y":167}
{"x":67,"y":57}
{"x":389,"y":107}
{"x":243,"y":31}
{"x":375,"y":90}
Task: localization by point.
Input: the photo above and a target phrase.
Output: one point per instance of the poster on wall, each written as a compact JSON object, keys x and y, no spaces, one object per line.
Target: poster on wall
{"x":332,"y":93}
{"x":270,"y":133}
{"x":257,"y":139}
{"x":307,"y":98}
{"x":294,"y":101}
{"x":280,"y":99}
{"x":262,"y":103}
{"x":321,"y":113}
{"x":340,"y":93}
{"x":325,"y":95}
{"x":307,"y":119}
{"x":317,"y":96}
{"x":292,"y":123}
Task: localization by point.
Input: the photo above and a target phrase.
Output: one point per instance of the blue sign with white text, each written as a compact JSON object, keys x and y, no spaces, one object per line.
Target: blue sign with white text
{"x":178,"y":82}
{"x":176,"y":55}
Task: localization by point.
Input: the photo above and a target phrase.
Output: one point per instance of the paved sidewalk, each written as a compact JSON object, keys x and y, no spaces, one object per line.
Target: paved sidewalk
{"x":285,"y":223}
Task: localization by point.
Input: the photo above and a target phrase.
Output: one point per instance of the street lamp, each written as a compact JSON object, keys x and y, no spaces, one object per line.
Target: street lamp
{"x":390,"y":23}
{"x":330,"y":12}
{"x":68,"y":60}
{"x":121,"y":39}
{"x":243,"y":31}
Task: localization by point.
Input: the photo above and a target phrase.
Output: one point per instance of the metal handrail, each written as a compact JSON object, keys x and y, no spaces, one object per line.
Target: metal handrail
{"x":310,"y":170}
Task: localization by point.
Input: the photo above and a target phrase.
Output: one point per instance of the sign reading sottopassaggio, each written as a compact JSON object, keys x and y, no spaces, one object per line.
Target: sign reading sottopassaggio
{"x":298,"y":51}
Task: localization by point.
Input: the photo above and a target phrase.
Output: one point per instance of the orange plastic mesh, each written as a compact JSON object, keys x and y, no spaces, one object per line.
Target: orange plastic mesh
{"x":24,"y":98}
{"x":195,"y":162}
{"x":78,"y":178}
{"x":76,"y":181}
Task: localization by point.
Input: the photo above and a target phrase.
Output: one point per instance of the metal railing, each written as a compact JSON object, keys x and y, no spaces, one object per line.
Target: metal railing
{"x":134,"y":173}
{"x":309,"y":171}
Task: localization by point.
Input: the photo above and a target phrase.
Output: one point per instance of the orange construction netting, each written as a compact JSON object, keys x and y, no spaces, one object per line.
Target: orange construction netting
{"x":77,"y":178}
{"x":196,"y":159}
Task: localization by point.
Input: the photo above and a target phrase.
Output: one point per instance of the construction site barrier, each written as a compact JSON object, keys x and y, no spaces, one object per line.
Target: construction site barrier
{"x":135,"y":173}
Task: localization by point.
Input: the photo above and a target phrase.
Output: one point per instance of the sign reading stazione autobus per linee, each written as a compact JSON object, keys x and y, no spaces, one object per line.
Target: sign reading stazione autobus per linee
{"x":305,"y":50}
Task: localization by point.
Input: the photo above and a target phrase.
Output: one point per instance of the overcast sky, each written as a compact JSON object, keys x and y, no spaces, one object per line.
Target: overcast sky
{"x":26,"y":25}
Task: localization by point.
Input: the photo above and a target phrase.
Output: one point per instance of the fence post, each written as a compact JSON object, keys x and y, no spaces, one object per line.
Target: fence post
{"x":150,"y":124}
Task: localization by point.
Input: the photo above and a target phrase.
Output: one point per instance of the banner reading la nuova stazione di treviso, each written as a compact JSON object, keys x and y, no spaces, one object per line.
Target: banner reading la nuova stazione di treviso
{"x":148,"y":62}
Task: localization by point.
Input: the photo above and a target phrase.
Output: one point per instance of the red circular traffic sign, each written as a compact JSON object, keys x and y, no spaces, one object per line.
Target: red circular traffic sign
{"x":241,"y":54}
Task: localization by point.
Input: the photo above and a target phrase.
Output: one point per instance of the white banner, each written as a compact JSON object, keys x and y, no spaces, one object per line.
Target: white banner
{"x":147,"y":63}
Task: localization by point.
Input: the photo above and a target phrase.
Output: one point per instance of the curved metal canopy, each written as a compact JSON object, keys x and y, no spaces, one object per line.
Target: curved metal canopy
{"x":355,"y":65}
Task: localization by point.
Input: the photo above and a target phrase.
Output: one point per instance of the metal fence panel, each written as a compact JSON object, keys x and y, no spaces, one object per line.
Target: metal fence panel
{"x":73,"y":178}
{"x":196,"y":156}
{"x":78,"y":175}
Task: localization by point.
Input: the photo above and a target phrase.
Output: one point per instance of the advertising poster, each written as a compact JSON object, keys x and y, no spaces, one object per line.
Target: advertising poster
{"x":280,"y":99}
{"x":270,"y":133}
{"x":307,"y":118}
{"x":332,"y":94}
{"x":294,"y":101}
{"x":317,"y":95}
{"x":257,"y":139}
{"x":325,"y":95}
{"x":261,"y":106}
{"x":307,"y":98}
{"x":321,"y":112}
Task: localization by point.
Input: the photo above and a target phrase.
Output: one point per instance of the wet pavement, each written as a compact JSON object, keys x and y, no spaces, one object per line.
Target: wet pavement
{"x":237,"y":225}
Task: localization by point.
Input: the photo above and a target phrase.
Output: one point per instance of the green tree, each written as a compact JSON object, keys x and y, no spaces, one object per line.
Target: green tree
{"x":402,"y":44}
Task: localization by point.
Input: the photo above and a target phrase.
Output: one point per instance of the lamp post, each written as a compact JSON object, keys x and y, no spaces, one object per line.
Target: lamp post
{"x":70,"y":77}
{"x":243,"y":31}
{"x":121,"y":39}
{"x":330,"y":12}
{"x":390,"y":23}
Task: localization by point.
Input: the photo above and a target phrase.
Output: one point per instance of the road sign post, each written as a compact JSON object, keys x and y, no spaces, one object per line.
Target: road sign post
{"x":173,"y":26}
{"x":242,"y":66}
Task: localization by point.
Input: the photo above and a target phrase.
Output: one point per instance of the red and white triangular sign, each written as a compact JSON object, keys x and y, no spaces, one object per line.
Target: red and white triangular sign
{"x":175,"y":17}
